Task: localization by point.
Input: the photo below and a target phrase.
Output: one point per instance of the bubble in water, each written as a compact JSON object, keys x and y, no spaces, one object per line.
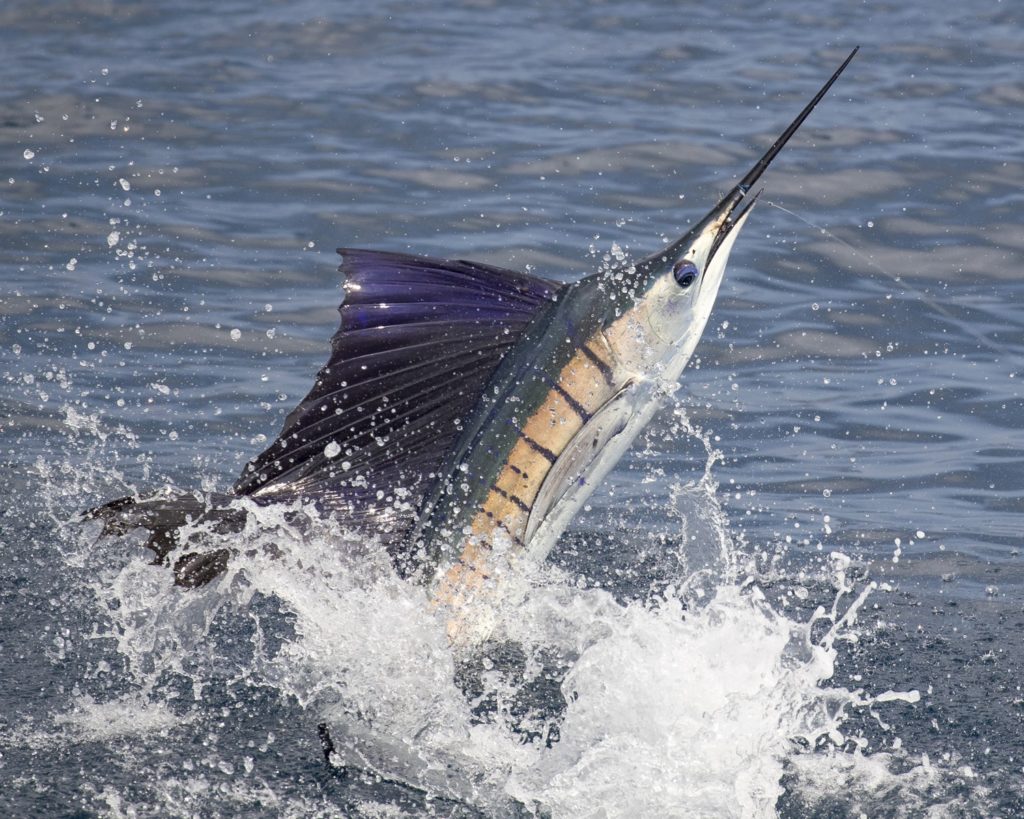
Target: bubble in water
{"x":29,"y":153}
{"x":236,"y":334}
{"x":125,"y":184}
{"x":113,"y":238}
{"x":332,"y":450}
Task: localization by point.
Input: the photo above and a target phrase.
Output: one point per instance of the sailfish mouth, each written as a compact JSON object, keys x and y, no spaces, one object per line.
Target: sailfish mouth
{"x":725,"y":215}
{"x":735,"y":215}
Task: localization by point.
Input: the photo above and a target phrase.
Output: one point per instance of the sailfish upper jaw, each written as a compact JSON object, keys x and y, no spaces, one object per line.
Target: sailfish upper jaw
{"x":673,"y":290}
{"x":723,"y":219}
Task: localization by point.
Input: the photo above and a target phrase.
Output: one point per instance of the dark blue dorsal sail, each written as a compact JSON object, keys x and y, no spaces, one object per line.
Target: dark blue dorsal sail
{"x":418,"y":341}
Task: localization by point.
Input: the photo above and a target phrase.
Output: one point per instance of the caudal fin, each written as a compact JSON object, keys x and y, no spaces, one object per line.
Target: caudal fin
{"x":165,"y":517}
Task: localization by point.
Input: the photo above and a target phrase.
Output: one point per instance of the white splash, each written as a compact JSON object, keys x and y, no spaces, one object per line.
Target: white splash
{"x":669,"y":710}
{"x":132,"y":715}
{"x":673,"y":704}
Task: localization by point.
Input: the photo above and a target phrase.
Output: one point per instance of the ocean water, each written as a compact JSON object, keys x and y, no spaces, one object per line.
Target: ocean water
{"x":801,"y":594}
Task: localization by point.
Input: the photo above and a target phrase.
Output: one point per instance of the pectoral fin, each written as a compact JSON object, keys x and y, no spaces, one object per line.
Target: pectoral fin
{"x":583,"y":462}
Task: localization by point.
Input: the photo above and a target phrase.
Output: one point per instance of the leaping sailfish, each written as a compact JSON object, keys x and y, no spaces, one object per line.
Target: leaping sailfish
{"x":466,"y":411}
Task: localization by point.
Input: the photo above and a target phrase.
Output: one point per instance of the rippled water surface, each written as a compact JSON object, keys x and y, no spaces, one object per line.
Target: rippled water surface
{"x":800,"y":594}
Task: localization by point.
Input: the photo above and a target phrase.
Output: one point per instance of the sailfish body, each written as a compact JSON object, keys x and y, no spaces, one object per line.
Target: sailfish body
{"x":467,"y":411}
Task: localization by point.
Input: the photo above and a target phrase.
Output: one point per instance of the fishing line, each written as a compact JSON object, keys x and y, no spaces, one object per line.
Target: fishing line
{"x":938,"y":307}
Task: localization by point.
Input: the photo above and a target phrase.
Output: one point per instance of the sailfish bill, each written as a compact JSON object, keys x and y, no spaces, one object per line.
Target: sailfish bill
{"x":467,"y":411}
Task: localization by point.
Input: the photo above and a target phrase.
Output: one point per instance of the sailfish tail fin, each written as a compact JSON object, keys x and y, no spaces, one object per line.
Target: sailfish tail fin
{"x":165,"y":517}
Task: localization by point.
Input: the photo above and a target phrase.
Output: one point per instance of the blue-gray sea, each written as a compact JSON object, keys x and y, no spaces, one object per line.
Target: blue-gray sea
{"x":800,"y":594}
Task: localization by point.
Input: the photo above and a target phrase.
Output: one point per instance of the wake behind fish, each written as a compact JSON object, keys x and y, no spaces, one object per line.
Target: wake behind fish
{"x":699,"y":699}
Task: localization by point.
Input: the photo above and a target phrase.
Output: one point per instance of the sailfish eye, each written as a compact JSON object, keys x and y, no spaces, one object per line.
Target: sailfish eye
{"x":685,"y":272}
